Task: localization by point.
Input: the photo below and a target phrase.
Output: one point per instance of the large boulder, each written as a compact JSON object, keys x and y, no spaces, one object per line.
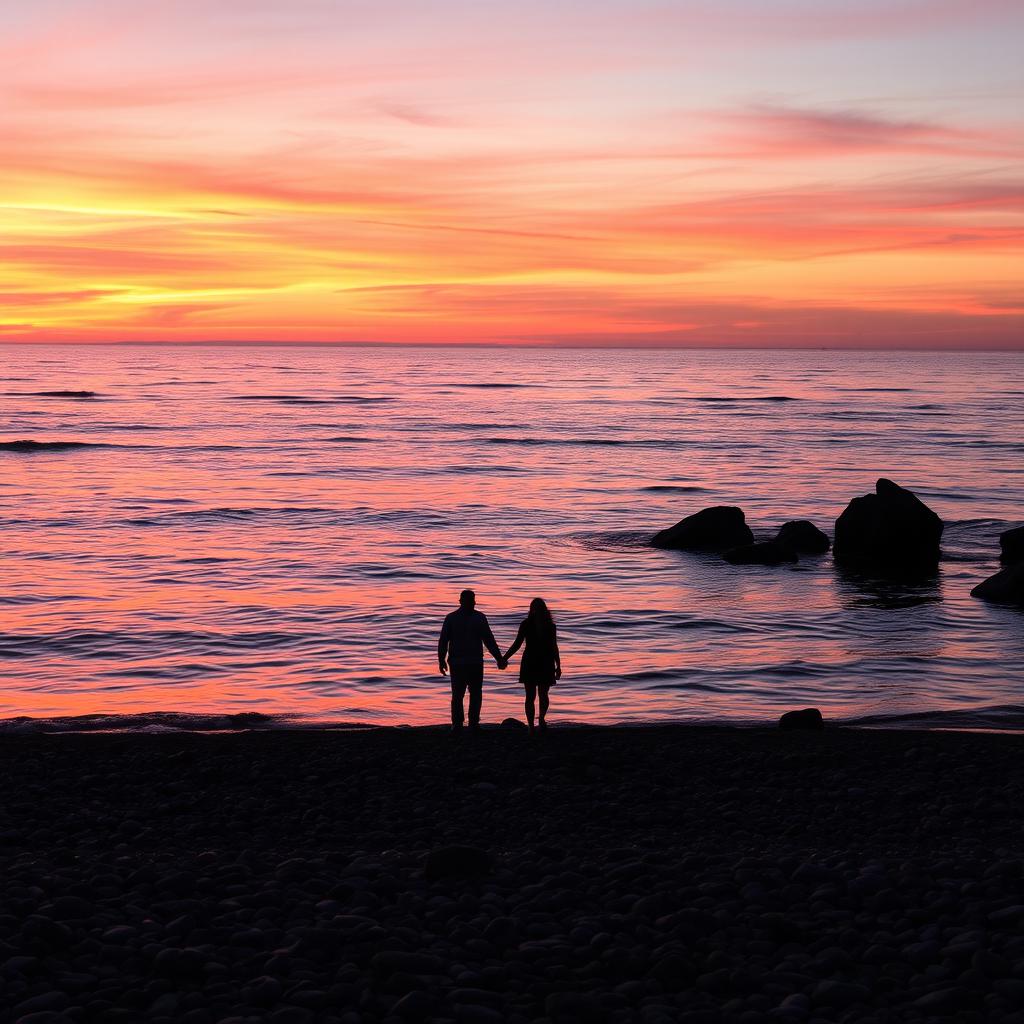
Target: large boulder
{"x":1012,"y":545}
{"x":803,"y":537}
{"x":768,"y":552}
{"x":1007,"y":586}
{"x":890,"y":532}
{"x":807,"y":719}
{"x":710,"y":529}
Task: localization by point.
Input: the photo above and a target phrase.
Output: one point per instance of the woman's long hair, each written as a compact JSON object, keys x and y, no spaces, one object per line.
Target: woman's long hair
{"x":540,"y":615}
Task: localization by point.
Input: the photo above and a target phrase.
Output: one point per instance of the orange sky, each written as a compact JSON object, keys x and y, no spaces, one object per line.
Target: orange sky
{"x":614,"y":172}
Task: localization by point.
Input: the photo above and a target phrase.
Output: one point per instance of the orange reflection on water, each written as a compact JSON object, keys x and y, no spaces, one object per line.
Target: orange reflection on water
{"x":283,"y":530}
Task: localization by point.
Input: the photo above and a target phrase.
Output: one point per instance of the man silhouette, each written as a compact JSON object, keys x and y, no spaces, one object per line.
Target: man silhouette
{"x":460,"y":648}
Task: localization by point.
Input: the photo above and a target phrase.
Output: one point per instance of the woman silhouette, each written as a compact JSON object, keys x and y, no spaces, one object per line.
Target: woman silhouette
{"x":541,"y":666}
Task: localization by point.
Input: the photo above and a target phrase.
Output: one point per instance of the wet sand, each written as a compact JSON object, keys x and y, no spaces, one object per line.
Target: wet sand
{"x":656,"y":874}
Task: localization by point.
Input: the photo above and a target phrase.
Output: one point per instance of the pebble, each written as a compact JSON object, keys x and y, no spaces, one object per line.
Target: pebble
{"x":839,"y":993}
{"x":392,"y":961}
{"x":472,"y":1014}
{"x":457,"y":862}
{"x":656,"y":875}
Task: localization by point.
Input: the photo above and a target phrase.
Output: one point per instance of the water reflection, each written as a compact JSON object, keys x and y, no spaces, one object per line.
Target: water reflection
{"x":264,"y":555}
{"x":859,"y":590}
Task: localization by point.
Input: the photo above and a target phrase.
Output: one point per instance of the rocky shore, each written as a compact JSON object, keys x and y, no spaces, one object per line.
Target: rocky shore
{"x":659,"y":874}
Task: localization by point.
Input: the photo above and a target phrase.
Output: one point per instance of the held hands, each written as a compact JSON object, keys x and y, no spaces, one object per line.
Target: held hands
{"x":502,"y":663}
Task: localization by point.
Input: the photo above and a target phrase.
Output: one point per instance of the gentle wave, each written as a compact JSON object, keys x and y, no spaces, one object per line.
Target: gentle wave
{"x":597,"y":442}
{"x":54,"y":394}
{"x":26,"y":446}
{"x":127,"y":428}
{"x":297,"y":514}
{"x":227,"y":515}
{"x":743,"y":398}
{"x":998,"y":718}
{"x":333,"y":514}
{"x":989,"y":524}
{"x":613,"y":540}
{"x":1003,"y":717}
{"x":92,"y":643}
{"x":314,"y":400}
{"x":485,"y":384}
{"x":674,"y":488}
{"x":149,"y":722}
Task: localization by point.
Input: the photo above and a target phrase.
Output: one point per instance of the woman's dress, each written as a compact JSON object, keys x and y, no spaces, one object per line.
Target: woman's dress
{"x":537,"y":667}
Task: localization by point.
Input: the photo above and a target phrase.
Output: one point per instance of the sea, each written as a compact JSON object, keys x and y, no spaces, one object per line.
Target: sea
{"x":220,"y":537}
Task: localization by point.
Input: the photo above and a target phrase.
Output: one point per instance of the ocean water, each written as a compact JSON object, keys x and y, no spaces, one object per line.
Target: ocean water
{"x":222,"y":531}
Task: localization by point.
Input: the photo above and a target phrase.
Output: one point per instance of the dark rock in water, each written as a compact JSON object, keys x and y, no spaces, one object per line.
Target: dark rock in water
{"x":457,"y":862}
{"x":513,"y":725}
{"x":1012,"y":544}
{"x":766,"y":553}
{"x":891,"y":532}
{"x":1007,"y":586}
{"x":803,"y":537}
{"x":808,"y":718}
{"x":248,"y":720}
{"x":710,"y":529}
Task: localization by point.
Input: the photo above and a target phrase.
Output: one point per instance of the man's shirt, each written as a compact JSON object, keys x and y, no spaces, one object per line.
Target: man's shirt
{"x":464,"y":636}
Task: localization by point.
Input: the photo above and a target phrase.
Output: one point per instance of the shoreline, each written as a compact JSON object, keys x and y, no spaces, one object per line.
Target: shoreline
{"x":1004,"y":719}
{"x":708,"y":875}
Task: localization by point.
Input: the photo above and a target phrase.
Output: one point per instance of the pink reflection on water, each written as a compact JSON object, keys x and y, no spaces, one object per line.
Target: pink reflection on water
{"x":241,"y":557}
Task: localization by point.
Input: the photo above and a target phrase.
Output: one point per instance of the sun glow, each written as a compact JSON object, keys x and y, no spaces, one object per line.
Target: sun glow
{"x":546,"y":174}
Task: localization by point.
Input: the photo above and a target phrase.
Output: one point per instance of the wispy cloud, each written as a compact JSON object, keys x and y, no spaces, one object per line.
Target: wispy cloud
{"x":414,"y":114}
{"x":104,"y":92}
{"x":545,"y":170}
{"x":778,"y":131}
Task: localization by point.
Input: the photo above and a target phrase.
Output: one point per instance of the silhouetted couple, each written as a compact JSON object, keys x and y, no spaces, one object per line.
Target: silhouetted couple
{"x":460,"y":649}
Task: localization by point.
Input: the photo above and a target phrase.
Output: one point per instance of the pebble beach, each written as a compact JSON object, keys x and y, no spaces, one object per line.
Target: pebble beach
{"x":652,"y":874}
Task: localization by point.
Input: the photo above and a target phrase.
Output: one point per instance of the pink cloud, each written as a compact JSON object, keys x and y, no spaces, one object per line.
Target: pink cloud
{"x":778,"y":131}
{"x":413,"y":113}
{"x":129,"y":263}
{"x":12,"y":300}
{"x":192,"y":87}
{"x":514,"y":167}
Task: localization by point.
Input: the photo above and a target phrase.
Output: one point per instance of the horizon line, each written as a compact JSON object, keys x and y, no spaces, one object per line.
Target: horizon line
{"x":1017,"y":348}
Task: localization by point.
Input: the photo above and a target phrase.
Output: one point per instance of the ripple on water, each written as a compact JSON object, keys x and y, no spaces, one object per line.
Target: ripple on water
{"x":336,"y":505}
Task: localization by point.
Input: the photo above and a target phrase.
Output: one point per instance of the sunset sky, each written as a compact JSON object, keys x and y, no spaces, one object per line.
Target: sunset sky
{"x":737,"y":172}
